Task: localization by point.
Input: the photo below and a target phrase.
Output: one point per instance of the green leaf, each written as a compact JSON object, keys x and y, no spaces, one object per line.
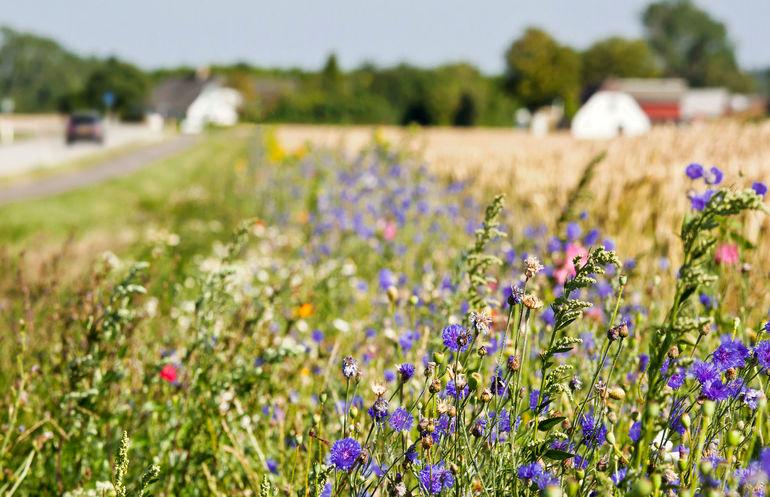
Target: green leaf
{"x":558,"y":455}
{"x":549,"y":423}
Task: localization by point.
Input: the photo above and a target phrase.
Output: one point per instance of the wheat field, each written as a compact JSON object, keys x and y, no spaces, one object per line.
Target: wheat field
{"x":638,"y":188}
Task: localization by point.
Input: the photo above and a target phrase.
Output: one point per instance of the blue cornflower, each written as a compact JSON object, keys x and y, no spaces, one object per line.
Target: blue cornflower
{"x":759,"y":188}
{"x":644,"y":361}
{"x":389,"y":375}
{"x":327,"y":491}
{"x":401,"y":420}
{"x":635,"y":432}
{"x":387,"y":279}
{"x":272,"y":465}
{"x":677,"y":379}
{"x":451,"y":390}
{"x":715,"y":390}
{"x":762,"y":353}
{"x":318,"y":336}
{"x":529,"y":471}
{"x":455,"y":337}
{"x":713,"y":176}
{"x":704,"y":372}
{"x":751,"y":397}
{"x":618,"y":476}
{"x":591,"y":237}
{"x":344,"y":453}
{"x":699,"y":202}
{"x":694,"y":171}
{"x":534,"y":396}
{"x":764,"y":460}
{"x":379,"y":410}
{"x":706,"y":300}
{"x":594,"y":434}
{"x":411,"y":454}
{"x":436,"y":478}
{"x":730,"y":354}
{"x":406,"y":371}
{"x":573,"y":231}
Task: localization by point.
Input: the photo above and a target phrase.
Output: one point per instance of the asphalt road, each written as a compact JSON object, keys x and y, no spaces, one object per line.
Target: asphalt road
{"x":50,"y":150}
{"x":116,"y":166}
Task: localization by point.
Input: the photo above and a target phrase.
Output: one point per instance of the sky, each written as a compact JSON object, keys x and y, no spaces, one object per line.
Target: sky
{"x":301,"y":33}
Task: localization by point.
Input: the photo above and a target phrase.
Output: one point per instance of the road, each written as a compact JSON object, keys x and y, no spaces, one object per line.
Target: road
{"x":48,"y":151}
{"x":112,"y":167}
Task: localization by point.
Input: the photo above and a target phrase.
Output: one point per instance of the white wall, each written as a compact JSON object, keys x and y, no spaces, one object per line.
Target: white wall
{"x":215,"y":105}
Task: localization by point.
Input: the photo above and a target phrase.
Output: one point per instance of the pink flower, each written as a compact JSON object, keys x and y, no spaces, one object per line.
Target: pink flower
{"x":169,"y":373}
{"x":567,"y":270}
{"x":726,"y":253}
{"x":389,"y":232}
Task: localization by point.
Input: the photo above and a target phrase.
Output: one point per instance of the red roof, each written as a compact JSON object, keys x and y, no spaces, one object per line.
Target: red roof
{"x":661,"y":111}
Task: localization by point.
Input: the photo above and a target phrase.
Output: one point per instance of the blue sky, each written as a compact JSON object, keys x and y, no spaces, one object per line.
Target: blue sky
{"x":154,"y":33}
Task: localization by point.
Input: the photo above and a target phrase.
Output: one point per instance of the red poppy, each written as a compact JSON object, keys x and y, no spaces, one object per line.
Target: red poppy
{"x":168,"y":373}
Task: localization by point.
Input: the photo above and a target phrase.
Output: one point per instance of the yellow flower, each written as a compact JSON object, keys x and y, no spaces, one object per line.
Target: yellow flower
{"x":305,"y":310}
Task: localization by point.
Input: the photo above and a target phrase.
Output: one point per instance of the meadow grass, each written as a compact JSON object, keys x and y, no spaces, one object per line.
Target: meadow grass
{"x":291,"y":320}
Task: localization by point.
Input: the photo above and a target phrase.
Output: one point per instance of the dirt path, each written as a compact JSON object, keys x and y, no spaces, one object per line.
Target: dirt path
{"x":116,"y":166}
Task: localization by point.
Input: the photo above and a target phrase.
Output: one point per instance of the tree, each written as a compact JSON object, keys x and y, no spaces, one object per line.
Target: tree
{"x":693,"y":45}
{"x":540,"y":70}
{"x":330,"y":74}
{"x":465,"y":115}
{"x":617,"y":57}
{"x":126,"y":82}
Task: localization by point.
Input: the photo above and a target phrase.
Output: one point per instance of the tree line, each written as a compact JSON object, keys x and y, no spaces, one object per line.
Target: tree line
{"x":680,"y":40}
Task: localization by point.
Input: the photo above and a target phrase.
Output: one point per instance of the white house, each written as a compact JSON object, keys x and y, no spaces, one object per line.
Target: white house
{"x":608,"y":114}
{"x":195,"y":102}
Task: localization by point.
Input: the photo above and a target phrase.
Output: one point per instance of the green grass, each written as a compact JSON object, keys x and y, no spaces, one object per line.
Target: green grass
{"x":153,"y":195}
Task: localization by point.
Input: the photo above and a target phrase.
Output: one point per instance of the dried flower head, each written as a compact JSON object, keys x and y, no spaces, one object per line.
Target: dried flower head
{"x":350,"y":368}
{"x":532,"y":266}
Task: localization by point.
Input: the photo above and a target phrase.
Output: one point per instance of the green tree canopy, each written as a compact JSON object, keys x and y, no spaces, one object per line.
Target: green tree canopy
{"x":128,"y":84}
{"x":617,"y":57}
{"x":540,"y":70}
{"x":693,"y":45}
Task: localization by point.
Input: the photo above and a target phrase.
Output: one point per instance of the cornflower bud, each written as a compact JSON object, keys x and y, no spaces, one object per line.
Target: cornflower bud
{"x":514,"y":363}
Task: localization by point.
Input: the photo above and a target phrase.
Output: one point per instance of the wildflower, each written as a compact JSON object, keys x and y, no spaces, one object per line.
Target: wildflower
{"x":345,"y":453}
{"x":532,"y":266}
{"x":317,"y":336}
{"x":401,"y":420}
{"x":730,"y":354}
{"x":451,"y":390}
{"x":762,"y":353}
{"x":389,"y":375}
{"x":618,"y":476}
{"x":455,"y":337}
{"x":532,"y":302}
{"x":573,"y":231}
{"x":694,"y":171}
{"x":272,"y":466}
{"x":514,"y":363}
{"x":727,"y":254}
{"x":435,"y":478}
{"x":704,"y":372}
{"x":406,"y":371}
{"x":305,"y":310}
{"x":567,"y":269}
{"x":378,"y":389}
{"x":169,"y":373}
{"x":481,"y":321}
{"x":594,"y":433}
{"x":411,"y":454}
{"x":379,"y":410}
{"x":517,"y":294}
{"x":534,"y":396}
{"x":699,"y":202}
{"x":635,"y":432}
{"x":713,"y":176}
{"x":350,"y":368}
{"x":575,"y":383}
{"x":759,"y":188}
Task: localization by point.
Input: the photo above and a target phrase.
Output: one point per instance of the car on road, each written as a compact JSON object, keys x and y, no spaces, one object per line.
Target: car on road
{"x":85,"y":126}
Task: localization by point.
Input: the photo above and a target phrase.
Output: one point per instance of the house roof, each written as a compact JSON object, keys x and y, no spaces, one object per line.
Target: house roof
{"x":172,"y":97}
{"x":649,"y":89}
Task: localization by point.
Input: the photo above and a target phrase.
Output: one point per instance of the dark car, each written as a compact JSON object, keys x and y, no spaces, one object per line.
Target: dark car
{"x":85,"y":126}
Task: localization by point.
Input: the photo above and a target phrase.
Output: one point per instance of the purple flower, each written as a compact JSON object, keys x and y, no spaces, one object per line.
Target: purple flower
{"x":411,"y":454}
{"x":345,"y":453}
{"x":762,"y":353}
{"x":594,"y":434}
{"x":406,"y":371}
{"x":759,"y":188}
{"x":644,"y":361}
{"x":387,"y":279}
{"x":694,"y":171}
{"x":401,"y":420}
{"x":379,"y":410}
{"x":389,"y":375}
{"x":704,"y":372}
{"x":455,"y":337}
{"x":635,"y":432}
{"x":713,"y":176}
{"x":318,"y":336}
{"x":677,"y":379}
{"x":618,"y":476}
{"x":436,"y":478}
{"x":715,"y":390}
{"x":534,"y":396}
{"x":764,"y":460}
{"x":573,"y":231}
{"x":529,"y":471}
{"x":451,"y":390}
{"x":699,"y":202}
{"x":272,"y":465}
{"x":730,"y":354}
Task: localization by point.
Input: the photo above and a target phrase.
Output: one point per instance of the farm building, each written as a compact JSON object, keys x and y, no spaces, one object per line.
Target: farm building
{"x":608,"y":114}
{"x":195,"y":102}
{"x":660,"y":99}
{"x":705,"y":103}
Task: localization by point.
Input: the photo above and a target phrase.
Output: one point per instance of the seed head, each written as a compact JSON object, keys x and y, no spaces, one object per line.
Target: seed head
{"x":532,"y":266}
{"x":350,"y":368}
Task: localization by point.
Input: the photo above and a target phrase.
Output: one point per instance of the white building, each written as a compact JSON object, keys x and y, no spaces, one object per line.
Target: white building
{"x":705,"y":103}
{"x":608,"y":114}
{"x":196,"y":102}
